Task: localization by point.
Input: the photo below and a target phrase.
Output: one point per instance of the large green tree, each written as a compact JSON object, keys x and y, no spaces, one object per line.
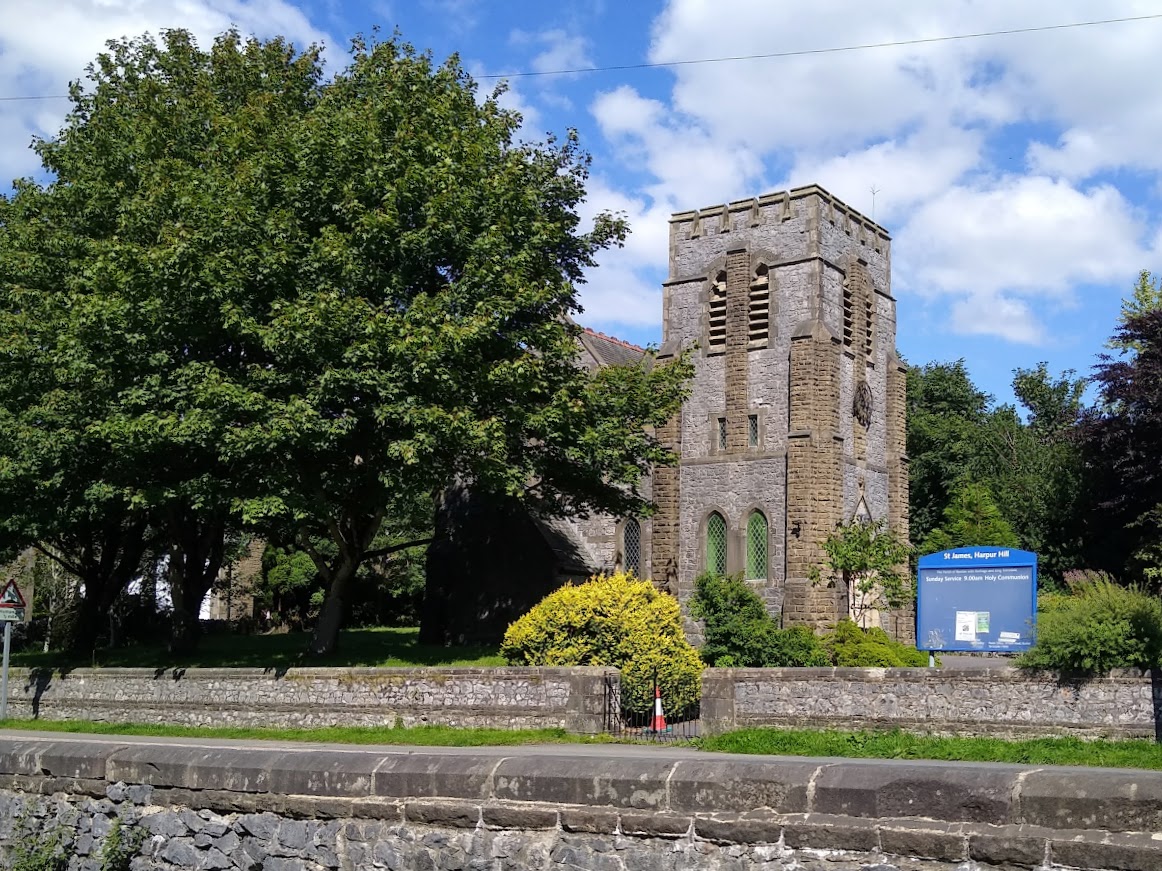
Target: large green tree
{"x":310,"y":301}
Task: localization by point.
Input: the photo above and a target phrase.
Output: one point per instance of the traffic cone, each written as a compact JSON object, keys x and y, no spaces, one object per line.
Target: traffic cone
{"x":659,"y":717}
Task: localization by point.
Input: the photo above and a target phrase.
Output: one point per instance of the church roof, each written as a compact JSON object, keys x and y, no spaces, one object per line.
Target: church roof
{"x":609,"y":351}
{"x":563,"y":538}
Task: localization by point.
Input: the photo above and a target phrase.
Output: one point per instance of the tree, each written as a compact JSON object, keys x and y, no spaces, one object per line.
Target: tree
{"x":870,"y":562}
{"x":972,"y":517}
{"x":1123,"y":448}
{"x":1145,"y":297}
{"x":303,"y":304}
{"x":946,"y":412}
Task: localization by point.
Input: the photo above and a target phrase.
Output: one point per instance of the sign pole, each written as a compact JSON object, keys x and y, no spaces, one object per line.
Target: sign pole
{"x":4,"y":674}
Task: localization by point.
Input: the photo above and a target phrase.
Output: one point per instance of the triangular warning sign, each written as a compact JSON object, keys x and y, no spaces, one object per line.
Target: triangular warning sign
{"x":10,"y":596}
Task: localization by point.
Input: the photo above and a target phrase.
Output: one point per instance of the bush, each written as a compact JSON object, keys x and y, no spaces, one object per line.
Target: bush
{"x":740,"y":634}
{"x":850,"y":646}
{"x":1101,"y":626}
{"x":613,"y":620}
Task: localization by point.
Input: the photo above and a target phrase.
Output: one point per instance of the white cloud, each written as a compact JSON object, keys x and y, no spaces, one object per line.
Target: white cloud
{"x":1033,"y":235}
{"x":904,"y":172}
{"x":45,"y":45}
{"x":561,"y":50}
{"x":995,"y":315}
{"x":998,"y":228}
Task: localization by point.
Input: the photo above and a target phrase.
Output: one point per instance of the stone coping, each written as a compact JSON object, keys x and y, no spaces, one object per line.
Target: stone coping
{"x":990,"y":674}
{"x":611,"y":779}
{"x":427,"y":671}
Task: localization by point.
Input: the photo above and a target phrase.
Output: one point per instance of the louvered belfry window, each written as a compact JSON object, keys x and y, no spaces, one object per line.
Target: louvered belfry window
{"x":716,"y":544}
{"x":758,"y":329}
{"x":716,"y":325}
{"x":756,"y":547}
{"x":848,"y":309}
{"x":631,"y":546}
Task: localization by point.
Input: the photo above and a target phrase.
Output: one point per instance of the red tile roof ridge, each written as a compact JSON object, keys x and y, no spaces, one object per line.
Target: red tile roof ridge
{"x":613,"y":339}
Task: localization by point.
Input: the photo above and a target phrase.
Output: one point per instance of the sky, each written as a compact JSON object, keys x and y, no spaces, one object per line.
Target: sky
{"x":1019,"y":175}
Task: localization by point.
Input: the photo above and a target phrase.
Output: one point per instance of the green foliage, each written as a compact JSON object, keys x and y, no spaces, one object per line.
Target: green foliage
{"x":971,"y":518}
{"x":1145,"y":297}
{"x":613,"y":620}
{"x":870,"y":561}
{"x":1100,"y":626}
{"x":45,"y":850}
{"x":740,"y":634}
{"x":850,"y":646}
{"x":255,"y":293}
{"x":1032,"y":467}
{"x":896,"y":744}
{"x":121,"y":845}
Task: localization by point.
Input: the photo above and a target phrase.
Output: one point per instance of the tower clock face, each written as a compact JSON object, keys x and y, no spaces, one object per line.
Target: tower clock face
{"x":861,"y":404}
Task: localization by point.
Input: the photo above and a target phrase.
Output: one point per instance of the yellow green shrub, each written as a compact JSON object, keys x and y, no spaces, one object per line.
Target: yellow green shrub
{"x":615,"y":620}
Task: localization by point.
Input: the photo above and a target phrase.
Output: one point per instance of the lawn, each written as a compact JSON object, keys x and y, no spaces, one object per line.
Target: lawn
{"x":901,"y":745}
{"x":357,"y":647}
{"x":428,"y":736}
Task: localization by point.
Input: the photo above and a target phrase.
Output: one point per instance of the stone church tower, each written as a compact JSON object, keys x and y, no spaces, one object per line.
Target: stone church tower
{"x":795,"y":424}
{"x":796,"y":418}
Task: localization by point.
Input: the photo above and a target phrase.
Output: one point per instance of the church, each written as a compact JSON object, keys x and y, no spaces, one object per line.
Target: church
{"x":795,"y":424}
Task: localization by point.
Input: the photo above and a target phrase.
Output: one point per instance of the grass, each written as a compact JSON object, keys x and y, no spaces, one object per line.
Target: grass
{"x":779,"y":742}
{"x":901,"y":745}
{"x":382,"y":646}
{"x":428,"y":736}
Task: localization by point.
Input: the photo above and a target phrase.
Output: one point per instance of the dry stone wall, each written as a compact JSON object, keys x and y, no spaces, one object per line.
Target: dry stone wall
{"x":1004,"y":701}
{"x":219,"y":806}
{"x":508,"y":698}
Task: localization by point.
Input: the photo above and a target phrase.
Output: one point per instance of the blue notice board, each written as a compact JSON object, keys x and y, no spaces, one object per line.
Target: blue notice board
{"x":976,"y":598}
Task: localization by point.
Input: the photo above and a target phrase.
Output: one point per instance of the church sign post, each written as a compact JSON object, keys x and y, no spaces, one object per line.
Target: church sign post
{"x":12,"y":607}
{"x":977,"y":599}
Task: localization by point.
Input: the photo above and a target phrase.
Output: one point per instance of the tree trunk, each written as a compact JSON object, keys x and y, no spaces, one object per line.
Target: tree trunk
{"x":88,"y":623}
{"x":325,"y":638}
{"x":195,"y":558}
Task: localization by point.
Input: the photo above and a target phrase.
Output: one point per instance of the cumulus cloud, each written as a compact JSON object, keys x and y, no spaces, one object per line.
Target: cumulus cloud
{"x":45,"y":45}
{"x":999,"y":233}
{"x":1021,"y":233}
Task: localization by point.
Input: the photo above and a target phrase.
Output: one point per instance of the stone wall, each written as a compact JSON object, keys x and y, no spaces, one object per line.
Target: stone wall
{"x":211,"y":806}
{"x":1002,"y":701}
{"x":506,"y":698}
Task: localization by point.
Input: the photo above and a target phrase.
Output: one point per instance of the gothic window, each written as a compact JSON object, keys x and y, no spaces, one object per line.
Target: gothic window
{"x":756,"y":547}
{"x":760,"y":308}
{"x":631,"y":546}
{"x":752,"y":430}
{"x":716,"y":544}
{"x":721,"y":433}
{"x":716,"y":325}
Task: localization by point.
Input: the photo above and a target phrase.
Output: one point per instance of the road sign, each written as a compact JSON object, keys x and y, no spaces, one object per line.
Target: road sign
{"x":10,"y":597}
{"x":9,"y":614}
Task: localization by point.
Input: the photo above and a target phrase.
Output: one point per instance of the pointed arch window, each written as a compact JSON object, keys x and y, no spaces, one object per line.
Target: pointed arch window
{"x":716,"y":544}
{"x":756,"y":546}
{"x":631,"y":546}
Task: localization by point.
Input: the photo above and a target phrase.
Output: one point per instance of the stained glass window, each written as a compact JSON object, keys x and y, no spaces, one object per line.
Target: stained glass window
{"x":756,"y":546}
{"x":716,"y":544}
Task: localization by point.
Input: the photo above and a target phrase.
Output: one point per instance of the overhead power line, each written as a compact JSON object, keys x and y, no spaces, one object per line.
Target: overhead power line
{"x":830,"y":50}
{"x":803,"y":52}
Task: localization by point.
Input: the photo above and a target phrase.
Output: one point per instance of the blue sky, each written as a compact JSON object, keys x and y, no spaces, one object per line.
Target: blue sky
{"x":1019,"y":175}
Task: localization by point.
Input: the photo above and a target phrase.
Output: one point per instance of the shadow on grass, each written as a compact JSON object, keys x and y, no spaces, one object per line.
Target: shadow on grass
{"x":379,"y":647}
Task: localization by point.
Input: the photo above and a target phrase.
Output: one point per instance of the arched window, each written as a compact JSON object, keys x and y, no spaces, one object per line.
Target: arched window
{"x":631,"y":546}
{"x":756,"y":547}
{"x":716,"y":544}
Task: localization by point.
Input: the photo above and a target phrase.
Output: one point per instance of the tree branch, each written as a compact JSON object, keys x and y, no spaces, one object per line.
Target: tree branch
{"x":384,"y":551}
